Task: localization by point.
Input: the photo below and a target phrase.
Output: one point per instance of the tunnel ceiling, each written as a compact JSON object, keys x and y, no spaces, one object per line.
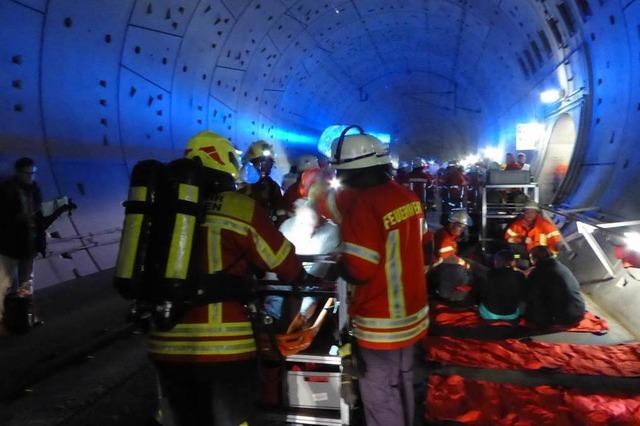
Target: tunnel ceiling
{"x":429,"y":72}
{"x":92,"y":86}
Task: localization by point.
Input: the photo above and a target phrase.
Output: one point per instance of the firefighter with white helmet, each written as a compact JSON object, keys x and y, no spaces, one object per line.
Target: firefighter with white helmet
{"x":294,"y":192}
{"x":532,"y":229}
{"x":206,"y":363}
{"x":381,"y":224}
{"x":265,"y":191}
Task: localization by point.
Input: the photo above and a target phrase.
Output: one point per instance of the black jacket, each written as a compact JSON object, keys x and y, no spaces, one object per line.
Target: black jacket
{"x":503,"y":291}
{"x":22,"y":226}
{"x":553,"y":295}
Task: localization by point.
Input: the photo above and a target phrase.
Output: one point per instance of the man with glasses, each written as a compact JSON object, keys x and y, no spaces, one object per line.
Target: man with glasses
{"x":22,"y":236}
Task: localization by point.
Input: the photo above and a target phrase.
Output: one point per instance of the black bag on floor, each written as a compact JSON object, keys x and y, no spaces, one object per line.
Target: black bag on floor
{"x":18,"y":313}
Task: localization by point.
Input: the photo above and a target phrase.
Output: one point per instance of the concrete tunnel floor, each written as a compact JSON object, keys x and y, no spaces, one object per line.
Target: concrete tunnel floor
{"x":113,"y":383}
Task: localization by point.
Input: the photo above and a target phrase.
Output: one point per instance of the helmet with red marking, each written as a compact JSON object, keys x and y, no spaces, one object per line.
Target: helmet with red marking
{"x":214,"y":151}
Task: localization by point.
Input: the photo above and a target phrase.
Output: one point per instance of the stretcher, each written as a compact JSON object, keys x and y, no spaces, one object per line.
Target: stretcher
{"x":298,"y":352}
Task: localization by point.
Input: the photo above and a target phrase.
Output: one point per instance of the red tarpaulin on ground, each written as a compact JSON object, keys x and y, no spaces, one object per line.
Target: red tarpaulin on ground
{"x":616,"y":360}
{"x":471,"y":402}
{"x":446,"y":316}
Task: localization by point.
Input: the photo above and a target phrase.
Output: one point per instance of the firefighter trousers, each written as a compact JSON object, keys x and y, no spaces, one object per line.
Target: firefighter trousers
{"x":387,"y":386}
{"x":209,"y":395}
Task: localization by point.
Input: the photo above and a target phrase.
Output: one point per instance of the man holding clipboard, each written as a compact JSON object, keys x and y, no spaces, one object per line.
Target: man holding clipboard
{"x":23,"y":222}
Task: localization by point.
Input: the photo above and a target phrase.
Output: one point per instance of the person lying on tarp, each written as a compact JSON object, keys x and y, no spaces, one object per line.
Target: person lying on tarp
{"x":553,"y":292}
{"x":450,"y":282}
{"x":501,"y":297}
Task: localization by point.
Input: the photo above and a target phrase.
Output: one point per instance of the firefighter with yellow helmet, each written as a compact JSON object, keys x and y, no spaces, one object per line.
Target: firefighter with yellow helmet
{"x":265,"y":191}
{"x":206,"y":362}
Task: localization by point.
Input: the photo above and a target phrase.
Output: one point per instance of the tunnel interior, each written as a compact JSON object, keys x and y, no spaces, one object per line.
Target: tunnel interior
{"x":91,"y":87}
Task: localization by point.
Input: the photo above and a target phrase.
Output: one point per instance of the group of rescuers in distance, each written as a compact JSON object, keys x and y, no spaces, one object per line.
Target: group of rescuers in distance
{"x":385,"y":254}
{"x":207,"y":364}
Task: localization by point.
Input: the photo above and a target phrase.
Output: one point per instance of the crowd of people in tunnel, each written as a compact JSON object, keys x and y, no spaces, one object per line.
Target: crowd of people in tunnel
{"x":375,"y":217}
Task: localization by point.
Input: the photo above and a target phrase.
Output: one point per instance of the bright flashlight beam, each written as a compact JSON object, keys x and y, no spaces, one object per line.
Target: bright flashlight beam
{"x":632,"y":239}
{"x":335,"y":183}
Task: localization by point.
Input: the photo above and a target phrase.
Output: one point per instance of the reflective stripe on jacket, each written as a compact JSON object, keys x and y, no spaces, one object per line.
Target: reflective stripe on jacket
{"x":445,"y":244}
{"x":238,"y":238}
{"x":542,"y":233}
{"x":381,"y":231}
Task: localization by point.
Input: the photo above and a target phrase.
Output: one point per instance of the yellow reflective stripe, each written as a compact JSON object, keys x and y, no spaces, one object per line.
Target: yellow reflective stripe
{"x":543,"y":240}
{"x":214,"y":245}
{"x":271,"y":259}
{"x":222,"y":347}
{"x":393,"y":269}
{"x":391,"y":337}
{"x":446,"y":249}
{"x":361,"y":252}
{"x":180,"y":249}
{"x":129,"y":245}
{"x":219,"y":222}
{"x":188,"y":192}
{"x":215,"y":225}
{"x":512,"y":233}
{"x":138,"y":193}
{"x":208,"y":330}
{"x":391,"y":323}
{"x":553,"y":234}
{"x":215,"y":312}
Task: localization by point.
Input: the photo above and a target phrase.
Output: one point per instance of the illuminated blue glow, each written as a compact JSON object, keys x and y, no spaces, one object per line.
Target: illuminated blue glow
{"x":293,"y":138}
{"x":333,"y":132}
{"x":551,"y":96}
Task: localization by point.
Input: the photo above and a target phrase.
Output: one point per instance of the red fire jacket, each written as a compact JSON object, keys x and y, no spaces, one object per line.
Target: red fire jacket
{"x":239,"y":239}
{"x":381,"y":229}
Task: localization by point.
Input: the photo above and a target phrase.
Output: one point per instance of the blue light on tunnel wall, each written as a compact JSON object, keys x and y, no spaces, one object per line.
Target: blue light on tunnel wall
{"x":293,"y":138}
{"x":333,"y":132}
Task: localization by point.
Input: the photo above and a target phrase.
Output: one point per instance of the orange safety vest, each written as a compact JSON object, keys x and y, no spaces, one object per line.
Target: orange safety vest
{"x":239,"y":238}
{"x":445,"y":244}
{"x":381,"y":229}
{"x":542,"y":233}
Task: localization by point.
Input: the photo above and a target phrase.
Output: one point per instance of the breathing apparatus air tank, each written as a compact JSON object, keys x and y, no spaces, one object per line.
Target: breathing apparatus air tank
{"x":174,"y":248}
{"x":158,"y":244}
{"x":139,"y":213}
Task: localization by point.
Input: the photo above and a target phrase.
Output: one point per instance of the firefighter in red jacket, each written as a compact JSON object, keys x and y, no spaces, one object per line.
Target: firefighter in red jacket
{"x":381,"y":225}
{"x":265,"y":191}
{"x":420,"y":181}
{"x":445,"y":239}
{"x":532,"y":230}
{"x":206,"y":363}
{"x":295,"y":191}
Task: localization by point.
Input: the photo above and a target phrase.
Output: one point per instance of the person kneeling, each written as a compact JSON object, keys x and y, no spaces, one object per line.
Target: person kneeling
{"x":554,"y":297}
{"x":502,"y":295}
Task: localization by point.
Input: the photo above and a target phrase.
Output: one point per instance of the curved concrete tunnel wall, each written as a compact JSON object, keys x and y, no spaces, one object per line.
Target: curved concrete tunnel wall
{"x":89,"y":87}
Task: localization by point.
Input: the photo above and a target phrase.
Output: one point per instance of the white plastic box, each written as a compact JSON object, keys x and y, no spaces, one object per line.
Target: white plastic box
{"x":312,"y":389}
{"x":509,"y":177}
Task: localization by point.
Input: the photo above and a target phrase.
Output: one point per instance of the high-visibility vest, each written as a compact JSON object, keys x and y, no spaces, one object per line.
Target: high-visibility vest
{"x":445,"y":244}
{"x":240,"y":239}
{"x":381,"y":232}
{"x":541,"y":233}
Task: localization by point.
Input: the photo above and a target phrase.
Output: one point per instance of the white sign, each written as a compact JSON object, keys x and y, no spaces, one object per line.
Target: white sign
{"x":528,"y":135}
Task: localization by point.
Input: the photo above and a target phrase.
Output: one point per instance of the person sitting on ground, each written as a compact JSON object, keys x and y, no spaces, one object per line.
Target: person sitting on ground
{"x":450,"y":281}
{"x":553,"y":292}
{"x":502,"y":295}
